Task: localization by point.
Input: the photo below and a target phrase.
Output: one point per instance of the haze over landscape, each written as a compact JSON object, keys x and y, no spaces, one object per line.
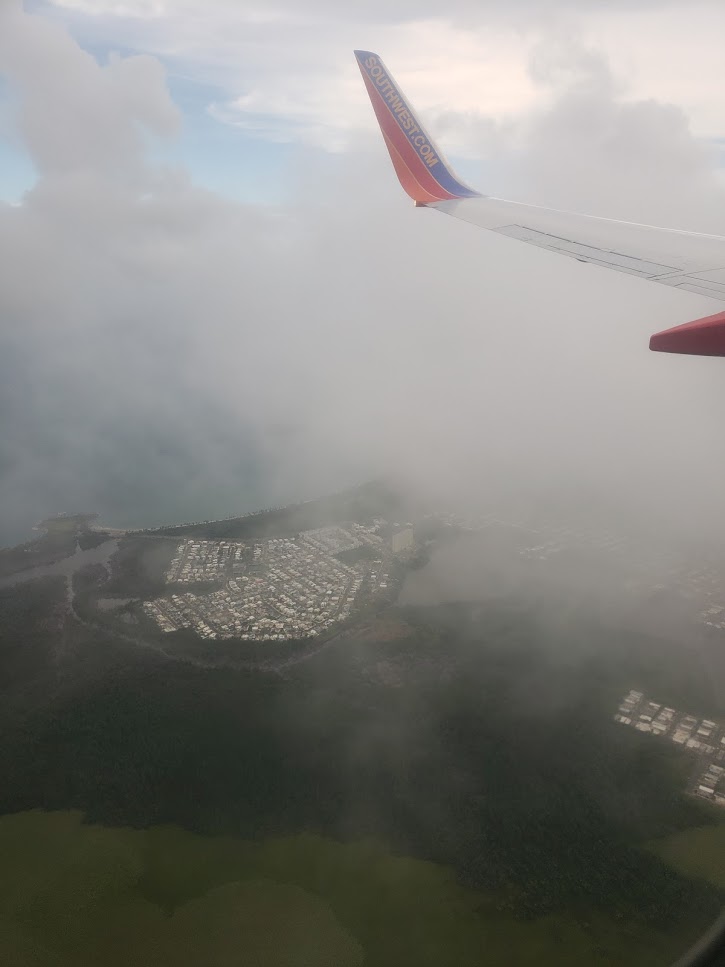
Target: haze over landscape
{"x":463,"y":687}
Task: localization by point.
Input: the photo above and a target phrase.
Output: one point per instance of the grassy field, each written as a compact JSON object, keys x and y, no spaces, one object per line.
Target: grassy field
{"x":699,"y":853}
{"x":83,"y":895}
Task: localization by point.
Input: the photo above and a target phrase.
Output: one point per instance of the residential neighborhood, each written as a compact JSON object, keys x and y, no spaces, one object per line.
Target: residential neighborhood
{"x":285,"y":587}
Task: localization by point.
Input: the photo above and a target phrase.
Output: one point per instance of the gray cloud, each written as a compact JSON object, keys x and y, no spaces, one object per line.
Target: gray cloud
{"x":168,"y":353}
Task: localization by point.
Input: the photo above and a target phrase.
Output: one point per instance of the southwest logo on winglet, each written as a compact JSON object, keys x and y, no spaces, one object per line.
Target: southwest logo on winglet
{"x":419,"y":165}
{"x":399,"y":110}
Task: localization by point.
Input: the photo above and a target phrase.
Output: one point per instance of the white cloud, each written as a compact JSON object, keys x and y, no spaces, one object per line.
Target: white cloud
{"x":73,"y":112}
{"x":142,"y":9}
{"x":289,"y":72}
{"x":155,"y":334}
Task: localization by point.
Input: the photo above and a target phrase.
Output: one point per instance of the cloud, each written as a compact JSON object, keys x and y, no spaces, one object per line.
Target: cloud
{"x":142,"y":9}
{"x":167,"y":353}
{"x":76,"y":114}
{"x":591,"y":149}
{"x":287,"y":73}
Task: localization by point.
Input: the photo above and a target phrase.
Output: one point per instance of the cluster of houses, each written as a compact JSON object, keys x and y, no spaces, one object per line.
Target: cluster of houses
{"x":703,"y":737}
{"x":282,"y":588}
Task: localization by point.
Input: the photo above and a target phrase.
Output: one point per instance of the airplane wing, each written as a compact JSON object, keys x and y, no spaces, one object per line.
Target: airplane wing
{"x":682,"y":260}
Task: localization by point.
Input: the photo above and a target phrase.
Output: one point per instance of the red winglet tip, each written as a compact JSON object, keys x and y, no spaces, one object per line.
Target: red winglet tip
{"x":703,"y":337}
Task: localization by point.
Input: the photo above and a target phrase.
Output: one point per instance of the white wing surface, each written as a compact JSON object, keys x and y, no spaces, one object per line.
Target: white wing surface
{"x":683,"y":260}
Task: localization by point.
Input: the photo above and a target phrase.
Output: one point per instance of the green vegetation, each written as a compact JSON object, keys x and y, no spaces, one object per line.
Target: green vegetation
{"x":90,"y":539}
{"x":493,"y":765}
{"x":699,"y":853}
{"x":356,"y":554}
{"x":73,"y":894}
{"x":494,"y":757}
{"x":44,"y":550}
{"x":139,"y":566}
{"x":84,"y":895}
{"x":47,"y":658}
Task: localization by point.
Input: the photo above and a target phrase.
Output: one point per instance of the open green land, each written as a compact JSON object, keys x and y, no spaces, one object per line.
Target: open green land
{"x":698,"y":853}
{"x":84,"y":895}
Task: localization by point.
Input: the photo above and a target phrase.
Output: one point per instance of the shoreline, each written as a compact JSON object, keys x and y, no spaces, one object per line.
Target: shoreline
{"x":42,"y":530}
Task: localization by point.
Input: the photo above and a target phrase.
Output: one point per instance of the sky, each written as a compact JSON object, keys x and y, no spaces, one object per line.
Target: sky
{"x":214,"y":295}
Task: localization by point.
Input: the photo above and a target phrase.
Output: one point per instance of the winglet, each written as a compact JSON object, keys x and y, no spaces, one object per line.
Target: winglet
{"x":418,"y":163}
{"x":703,"y":337}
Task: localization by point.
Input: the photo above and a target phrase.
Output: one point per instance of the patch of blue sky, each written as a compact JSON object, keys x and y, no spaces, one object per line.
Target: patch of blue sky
{"x":223,"y":157}
{"x":17,"y":171}
{"x":218,"y":156}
